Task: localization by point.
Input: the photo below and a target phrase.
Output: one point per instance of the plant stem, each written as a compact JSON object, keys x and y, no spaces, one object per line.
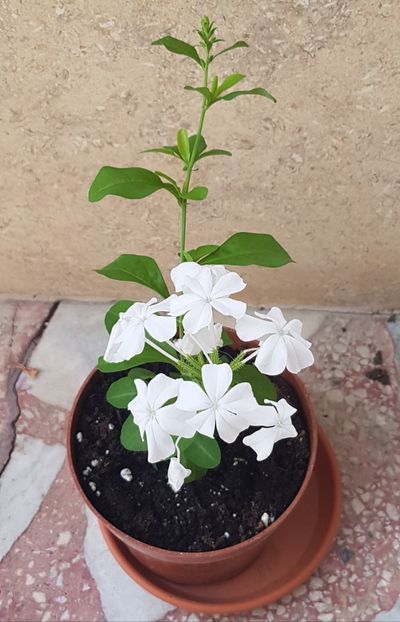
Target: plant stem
{"x":185,"y":187}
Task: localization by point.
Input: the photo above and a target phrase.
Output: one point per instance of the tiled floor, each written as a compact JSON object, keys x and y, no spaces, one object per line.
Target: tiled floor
{"x":55,"y":566}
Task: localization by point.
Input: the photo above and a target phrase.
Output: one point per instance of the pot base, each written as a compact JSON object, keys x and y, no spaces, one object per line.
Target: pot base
{"x":291,"y":554}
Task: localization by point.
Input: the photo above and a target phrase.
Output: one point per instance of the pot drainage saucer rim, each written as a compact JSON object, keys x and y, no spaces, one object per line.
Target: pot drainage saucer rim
{"x":290,"y":556}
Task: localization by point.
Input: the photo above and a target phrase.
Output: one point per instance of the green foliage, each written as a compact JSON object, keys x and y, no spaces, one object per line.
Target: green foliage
{"x":176,"y":46}
{"x":201,"y":451}
{"x":141,"y":373}
{"x":229,"y":82}
{"x":199,"y":193}
{"x":262,"y":386}
{"x":112,"y":315}
{"x":182,"y":142}
{"x":256,"y":91}
{"x":130,"y":436}
{"x":130,"y":183}
{"x":247,"y":249}
{"x":139,"y":269}
{"x":121,"y":392}
{"x":235,"y":46}
{"x":214,"y":152}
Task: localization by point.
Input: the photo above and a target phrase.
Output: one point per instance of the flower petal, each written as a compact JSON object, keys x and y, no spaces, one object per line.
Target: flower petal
{"x":285,"y":410}
{"x":276,"y":315}
{"x":114,"y":341}
{"x":159,"y":443}
{"x":263,"y":415}
{"x":299,"y":356}
{"x":132,"y":340}
{"x":199,"y":316}
{"x":227,"y":284}
{"x":175,"y":421}
{"x":181,"y":304}
{"x":177,"y":474}
{"x":160,"y":327}
{"x":200,"y":285}
{"x":250,"y":328}
{"x":229,"y":306}
{"x":229,"y":425}
{"x":183,"y":270}
{"x":191,"y":397}
{"x":272,"y":356}
{"x":216,"y":380}
{"x":262,"y":442}
{"x":161,"y":389}
{"x":239,"y":399}
{"x":204,"y":422}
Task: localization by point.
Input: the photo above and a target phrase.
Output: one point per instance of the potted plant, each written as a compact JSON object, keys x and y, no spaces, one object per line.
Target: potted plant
{"x":191,"y":442}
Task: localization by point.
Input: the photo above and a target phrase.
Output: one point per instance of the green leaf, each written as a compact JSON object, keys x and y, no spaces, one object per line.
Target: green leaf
{"x":141,"y":373}
{"x":202,"y":451}
{"x":238,"y":44}
{"x":130,"y":183}
{"x":199,"y":193}
{"x":201,"y":144}
{"x":214,"y":152}
{"x":203,"y":90}
{"x":112,"y":314}
{"x":229,"y":82}
{"x":197,"y":472}
{"x":170,"y":179}
{"x":199,"y":253}
{"x":176,"y":46}
{"x":249,"y":249}
{"x":171,"y":151}
{"x":130,"y":436}
{"x":256,"y":91}
{"x":121,"y":392}
{"x":139,"y":269}
{"x":226,"y":340}
{"x":149,"y":355}
{"x":182,"y":141}
{"x":262,"y":386}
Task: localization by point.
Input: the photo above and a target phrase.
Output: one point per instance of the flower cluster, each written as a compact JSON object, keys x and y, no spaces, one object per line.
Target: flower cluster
{"x":205,"y":397}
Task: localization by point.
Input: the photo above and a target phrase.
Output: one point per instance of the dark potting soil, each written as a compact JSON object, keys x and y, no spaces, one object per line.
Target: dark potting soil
{"x":223,"y":508}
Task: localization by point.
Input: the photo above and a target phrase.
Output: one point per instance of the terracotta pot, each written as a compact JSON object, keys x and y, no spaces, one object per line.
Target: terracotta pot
{"x":210,"y":566}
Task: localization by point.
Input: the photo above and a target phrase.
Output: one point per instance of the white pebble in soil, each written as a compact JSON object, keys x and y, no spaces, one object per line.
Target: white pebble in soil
{"x":265,"y":519}
{"x":93,"y":486}
{"x":79,"y":437}
{"x":126,"y":474}
{"x":111,"y":426}
{"x":94,"y":463}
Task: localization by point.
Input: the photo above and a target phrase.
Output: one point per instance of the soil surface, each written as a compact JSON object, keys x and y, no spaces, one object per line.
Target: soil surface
{"x":223,"y":508}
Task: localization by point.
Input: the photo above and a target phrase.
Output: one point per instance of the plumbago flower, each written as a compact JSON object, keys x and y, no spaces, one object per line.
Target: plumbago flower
{"x":156,"y":420}
{"x":177,"y":473}
{"x":206,"y":340}
{"x":128,"y":335}
{"x":277,"y":425}
{"x":281,"y":343}
{"x":217,"y":405}
{"x":205,"y":289}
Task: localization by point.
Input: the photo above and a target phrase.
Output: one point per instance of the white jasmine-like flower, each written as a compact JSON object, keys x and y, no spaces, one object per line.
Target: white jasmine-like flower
{"x":157,"y":420}
{"x":277,"y":416}
{"x":127,"y":337}
{"x":204,"y":291}
{"x":217,"y":404}
{"x":281,"y":343}
{"x":177,"y":474}
{"x":192,"y":269}
{"x":206,"y":340}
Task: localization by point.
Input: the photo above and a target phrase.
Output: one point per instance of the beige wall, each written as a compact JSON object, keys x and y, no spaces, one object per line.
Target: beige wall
{"x":81,"y":87}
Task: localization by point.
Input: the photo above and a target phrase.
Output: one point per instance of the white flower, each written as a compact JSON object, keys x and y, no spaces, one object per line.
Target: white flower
{"x":127,"y":337}
{"x":277,"y":415}
{"x":156,"y":420}
{"x":281,"y":343}
{"x":217,"y":404}
{"x":206,"y":340}
{"x":205,"y":289}
{"x":177,"y":474}
{"x":192,"y":269}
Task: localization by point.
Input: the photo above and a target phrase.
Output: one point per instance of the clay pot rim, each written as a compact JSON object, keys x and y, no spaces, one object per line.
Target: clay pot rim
{"x":202,"y":556}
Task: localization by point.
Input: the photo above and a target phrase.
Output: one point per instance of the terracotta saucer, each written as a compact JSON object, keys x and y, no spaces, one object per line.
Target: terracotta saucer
{"x":290,"y":556}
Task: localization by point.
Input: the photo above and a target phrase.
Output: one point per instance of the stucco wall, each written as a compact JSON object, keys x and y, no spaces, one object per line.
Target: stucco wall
{"x":82,"y":87}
